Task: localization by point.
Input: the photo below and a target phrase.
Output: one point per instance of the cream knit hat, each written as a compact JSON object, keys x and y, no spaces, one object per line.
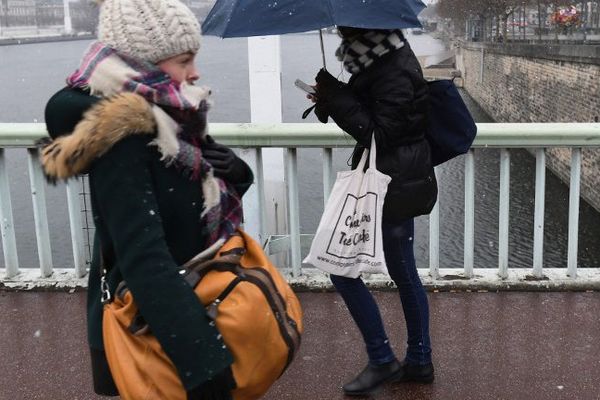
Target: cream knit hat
{"x":149,"y":30}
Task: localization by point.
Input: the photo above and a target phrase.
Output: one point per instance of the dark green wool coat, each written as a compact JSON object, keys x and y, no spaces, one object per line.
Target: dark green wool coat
{"x":147,"y":218}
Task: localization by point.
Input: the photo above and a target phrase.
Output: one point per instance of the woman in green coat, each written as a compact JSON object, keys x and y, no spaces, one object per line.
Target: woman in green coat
{"x":162,"y":190}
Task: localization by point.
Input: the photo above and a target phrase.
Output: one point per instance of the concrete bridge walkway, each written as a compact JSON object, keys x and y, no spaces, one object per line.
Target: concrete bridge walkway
{"x":508,"y":345}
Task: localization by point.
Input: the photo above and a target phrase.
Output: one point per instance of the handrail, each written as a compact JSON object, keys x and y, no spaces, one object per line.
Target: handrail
{"x":300,"y":135}
{"x":293,"y":136}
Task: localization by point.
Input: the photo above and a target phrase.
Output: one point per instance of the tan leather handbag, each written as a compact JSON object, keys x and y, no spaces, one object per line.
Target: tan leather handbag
{"x":252,"y":306}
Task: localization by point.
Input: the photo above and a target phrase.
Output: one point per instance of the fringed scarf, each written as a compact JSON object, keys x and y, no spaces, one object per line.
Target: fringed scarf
{"x":359,"y":52}
{"x":180,"y":111}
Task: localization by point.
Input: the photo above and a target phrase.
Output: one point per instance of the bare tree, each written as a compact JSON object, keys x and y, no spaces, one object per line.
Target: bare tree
{"x":496,"y":13}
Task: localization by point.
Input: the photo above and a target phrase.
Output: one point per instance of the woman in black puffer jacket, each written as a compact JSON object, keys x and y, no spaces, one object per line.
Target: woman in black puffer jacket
{"x":386,"y":96}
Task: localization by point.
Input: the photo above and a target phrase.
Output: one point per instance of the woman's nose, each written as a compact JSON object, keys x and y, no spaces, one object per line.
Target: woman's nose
{"x":194,"y":75}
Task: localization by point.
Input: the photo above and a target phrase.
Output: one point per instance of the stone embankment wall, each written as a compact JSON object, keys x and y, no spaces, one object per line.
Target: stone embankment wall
{"x":539,"y":83}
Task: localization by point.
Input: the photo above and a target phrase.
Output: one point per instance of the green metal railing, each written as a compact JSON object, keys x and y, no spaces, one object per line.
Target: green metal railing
{"x":293,"y":136}
{"x":300,"y":135}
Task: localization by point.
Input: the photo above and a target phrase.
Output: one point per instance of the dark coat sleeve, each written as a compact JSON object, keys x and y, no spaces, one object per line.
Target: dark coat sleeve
{"x":65,"y":109}
{"x":384,"y":110}
{"x":123,"y":185}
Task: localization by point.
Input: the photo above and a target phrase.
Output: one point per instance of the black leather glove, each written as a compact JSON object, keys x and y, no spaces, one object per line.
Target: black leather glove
{"x":327,"y":84}
{"x":321,"y":111}
{"x":226,"y":165}
{"x":327,"y":87}
{"x":217,"y":388}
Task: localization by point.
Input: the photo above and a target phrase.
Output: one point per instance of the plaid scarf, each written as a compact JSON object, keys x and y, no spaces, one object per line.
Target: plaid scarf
{"x":360,"y":52}
{"x":180,"y":111}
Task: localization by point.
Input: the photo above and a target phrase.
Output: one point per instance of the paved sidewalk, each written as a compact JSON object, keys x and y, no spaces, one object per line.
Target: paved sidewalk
{"x":513,"y":345}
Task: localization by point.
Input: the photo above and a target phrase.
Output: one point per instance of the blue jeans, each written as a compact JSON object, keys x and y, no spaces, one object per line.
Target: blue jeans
{"x":400,"y":260}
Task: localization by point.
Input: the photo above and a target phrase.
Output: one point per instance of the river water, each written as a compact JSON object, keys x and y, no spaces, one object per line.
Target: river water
{"x":29,"y":74}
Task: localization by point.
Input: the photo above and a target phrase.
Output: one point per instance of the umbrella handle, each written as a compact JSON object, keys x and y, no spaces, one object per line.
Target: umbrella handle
{"x":322,"y":48}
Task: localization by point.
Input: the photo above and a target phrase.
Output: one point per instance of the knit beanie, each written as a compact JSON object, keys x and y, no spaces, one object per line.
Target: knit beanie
{"x":148,"y":30}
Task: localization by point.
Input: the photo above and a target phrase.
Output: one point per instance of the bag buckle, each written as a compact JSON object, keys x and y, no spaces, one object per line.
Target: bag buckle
{"x":104,"y":289}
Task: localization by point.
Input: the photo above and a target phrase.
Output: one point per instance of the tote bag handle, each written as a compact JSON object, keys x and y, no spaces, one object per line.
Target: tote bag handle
{"x":372,"y":153}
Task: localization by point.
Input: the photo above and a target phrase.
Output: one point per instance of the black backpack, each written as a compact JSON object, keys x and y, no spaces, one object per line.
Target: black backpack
{"x":451,"y":129}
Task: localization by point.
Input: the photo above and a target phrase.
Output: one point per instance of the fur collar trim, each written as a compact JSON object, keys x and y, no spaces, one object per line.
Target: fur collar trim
{"x":105,"y":124}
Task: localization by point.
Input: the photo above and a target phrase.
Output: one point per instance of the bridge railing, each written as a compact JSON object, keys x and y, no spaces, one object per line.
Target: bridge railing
{"x":290,"y":137}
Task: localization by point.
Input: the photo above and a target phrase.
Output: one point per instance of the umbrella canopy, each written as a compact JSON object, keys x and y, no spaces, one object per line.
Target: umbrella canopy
{"x":243,"y":18}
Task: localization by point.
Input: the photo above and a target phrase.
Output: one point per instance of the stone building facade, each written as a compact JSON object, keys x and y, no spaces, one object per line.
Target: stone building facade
{"x":539,"y":83}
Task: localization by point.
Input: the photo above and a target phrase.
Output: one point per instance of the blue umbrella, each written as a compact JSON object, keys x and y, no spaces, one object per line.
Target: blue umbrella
{"x":243,"y":18}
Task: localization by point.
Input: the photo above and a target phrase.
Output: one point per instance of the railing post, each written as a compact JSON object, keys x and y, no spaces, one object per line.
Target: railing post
{"x":504,"y":213}
{"x":254,"y":199}
{"x":538,"y":224}
{"x":291,"y":172}
{"x":434,"y":239}
{"x":574,"y":192}
{"x":76,"y":225}
{"x":327,"y":173}
{"x":260,"y":187}
{"x":469,"y":239}
{"x":9,"y":243}
{"x":38,"y":197}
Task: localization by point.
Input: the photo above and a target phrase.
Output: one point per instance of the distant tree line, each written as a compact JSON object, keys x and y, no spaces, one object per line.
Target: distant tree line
{"x":494,"y":15}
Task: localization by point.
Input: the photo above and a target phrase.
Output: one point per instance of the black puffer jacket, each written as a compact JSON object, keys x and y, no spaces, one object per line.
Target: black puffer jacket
{"x":389,"y":99}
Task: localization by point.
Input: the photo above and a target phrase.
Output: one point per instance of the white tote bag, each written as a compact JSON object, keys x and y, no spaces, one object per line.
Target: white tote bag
{"x":348,"y":241}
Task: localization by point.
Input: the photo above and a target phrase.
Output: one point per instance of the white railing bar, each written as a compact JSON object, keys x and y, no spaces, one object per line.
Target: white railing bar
{"x":469,"y":238}
{"x":300,"y":135}
{"x":434,"y":238}
{"x":260,"y":186}
{"x":504,"y":213}
{"x":327,"y":173}
{"x":40,"y":215}
{"x":9,"y":242}
{"x":74,"y":206}
{"x":574,"y":192}
{"x":485,"y":279}
{"x":494,"y":135}
{"x":538,"y":223}
{"x":291,"y":172}
{"x":251,"y":201}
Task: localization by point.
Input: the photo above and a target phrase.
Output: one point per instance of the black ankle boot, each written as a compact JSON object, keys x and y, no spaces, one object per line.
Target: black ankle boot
{"x":372,"y":377}
{"x":415,"y":373}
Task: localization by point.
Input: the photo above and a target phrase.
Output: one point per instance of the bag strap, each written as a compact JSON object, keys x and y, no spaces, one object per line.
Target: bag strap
{"x":363,"y":160}
{"x":373,"y":153}
{"x":194,"y":273}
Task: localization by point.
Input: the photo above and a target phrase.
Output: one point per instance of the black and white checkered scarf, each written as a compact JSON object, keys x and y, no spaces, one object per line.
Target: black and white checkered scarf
{"x":359,"y":52}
